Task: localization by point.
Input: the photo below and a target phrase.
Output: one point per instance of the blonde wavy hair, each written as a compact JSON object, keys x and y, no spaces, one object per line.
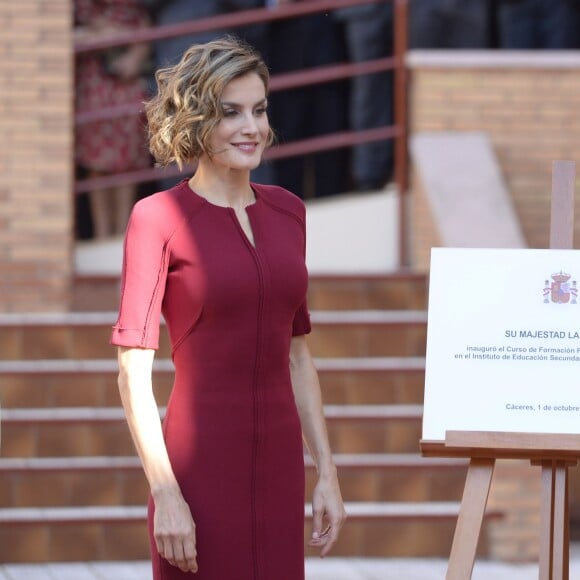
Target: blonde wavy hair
{"x":187,"y":107}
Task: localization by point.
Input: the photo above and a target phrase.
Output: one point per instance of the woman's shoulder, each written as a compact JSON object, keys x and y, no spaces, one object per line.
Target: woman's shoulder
{"x":281,"y":199}
{"x":163,"y":210}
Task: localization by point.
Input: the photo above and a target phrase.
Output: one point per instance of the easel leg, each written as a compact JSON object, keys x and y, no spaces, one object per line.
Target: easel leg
{"x":554,"y":535}
{"x":470,"y":519}
{"x":566,"y":530}
{"x":560,"y":565}
{"x":547,"y":522}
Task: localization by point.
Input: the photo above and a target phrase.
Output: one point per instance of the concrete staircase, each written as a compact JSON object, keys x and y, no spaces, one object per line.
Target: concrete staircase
{"x":72,"y":489}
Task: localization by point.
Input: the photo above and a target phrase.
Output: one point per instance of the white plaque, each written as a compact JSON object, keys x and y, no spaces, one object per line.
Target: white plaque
{"x":503,"y":342}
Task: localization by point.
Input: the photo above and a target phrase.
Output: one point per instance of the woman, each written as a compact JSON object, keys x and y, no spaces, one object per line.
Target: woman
{"x":223,"y":259}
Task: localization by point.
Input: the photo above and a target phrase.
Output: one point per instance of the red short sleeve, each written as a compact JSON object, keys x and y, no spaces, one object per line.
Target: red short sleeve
{"x":301,"y":324}
{"x":144,"y":274}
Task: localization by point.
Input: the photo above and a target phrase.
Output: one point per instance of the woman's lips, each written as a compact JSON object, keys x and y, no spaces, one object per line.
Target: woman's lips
{"x":246,"y":147}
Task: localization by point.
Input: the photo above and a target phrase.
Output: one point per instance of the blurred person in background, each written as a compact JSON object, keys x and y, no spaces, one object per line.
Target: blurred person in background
{"x":444,"y":24}
{"x":307,"y":42}
{"x":538,"y":24}
{"x":368,"y":31}
{"x":105,"y":79}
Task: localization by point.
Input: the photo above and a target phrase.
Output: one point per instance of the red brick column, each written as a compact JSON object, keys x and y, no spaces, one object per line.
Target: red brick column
{"x":36,"y":162}
{"x":516,"y":491}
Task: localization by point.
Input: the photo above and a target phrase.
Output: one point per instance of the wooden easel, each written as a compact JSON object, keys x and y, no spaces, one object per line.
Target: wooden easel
{"x":553,"y":452}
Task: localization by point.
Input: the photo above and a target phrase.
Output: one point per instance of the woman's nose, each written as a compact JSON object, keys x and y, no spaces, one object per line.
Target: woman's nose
{"x":250,"y":124}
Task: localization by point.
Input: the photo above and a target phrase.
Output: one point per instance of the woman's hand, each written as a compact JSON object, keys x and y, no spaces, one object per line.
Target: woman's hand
{"x":174,"y":530}
{"x":328,"y":512}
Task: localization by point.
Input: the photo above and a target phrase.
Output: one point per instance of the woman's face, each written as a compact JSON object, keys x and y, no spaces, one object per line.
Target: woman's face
{"x":240,"y":137}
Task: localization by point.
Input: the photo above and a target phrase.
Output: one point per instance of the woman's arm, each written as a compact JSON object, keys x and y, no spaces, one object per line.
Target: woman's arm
{"x":327,"y":501}
{"x":174,"y":528}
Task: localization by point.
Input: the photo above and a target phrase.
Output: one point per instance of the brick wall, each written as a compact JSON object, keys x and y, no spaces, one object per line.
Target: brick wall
{"x":516,"y":491}
{"x":36,"y":163}
{"x":529,"y":105}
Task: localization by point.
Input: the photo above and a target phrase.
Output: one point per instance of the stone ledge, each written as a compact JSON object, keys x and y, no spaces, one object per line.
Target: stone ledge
{"x":46,"y":319}
{"x":342,"y":461}
{"x":161,"y":365}
{"x":494,"y":59}
{"x":123,"y":514}
{"x":116,"y":414}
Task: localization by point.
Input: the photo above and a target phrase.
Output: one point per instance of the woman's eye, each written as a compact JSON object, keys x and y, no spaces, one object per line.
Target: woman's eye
{"x":230,"y":113}
{"x":261,"y":111}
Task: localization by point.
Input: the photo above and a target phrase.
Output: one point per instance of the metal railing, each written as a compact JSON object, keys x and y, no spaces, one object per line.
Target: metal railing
{"x":231,"y":21}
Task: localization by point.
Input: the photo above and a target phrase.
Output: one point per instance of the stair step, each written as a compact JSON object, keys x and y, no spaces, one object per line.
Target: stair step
{"x":76,"y":335}
{"x":402,"y":290}
{"x":105,"y":480}
{"x":368,"y":334}
{"x":90,"y":431}
{"x":84,"y":542}
{"x":93,"y":382}
{"x":398,"y":290}
{"x":93,"y":533}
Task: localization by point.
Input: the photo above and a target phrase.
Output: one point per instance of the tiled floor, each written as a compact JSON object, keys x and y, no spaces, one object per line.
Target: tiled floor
{"x":329,"y":569}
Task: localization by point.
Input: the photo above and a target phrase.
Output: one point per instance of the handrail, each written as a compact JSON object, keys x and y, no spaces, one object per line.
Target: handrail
{"x":401,"y":157}
{"x":299,"y":147}
{"x":278,"y":82}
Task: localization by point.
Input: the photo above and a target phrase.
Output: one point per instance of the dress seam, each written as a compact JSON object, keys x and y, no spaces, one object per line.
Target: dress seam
{"x":164,"y":259}
{"x":285,"y":211}
{"x":256,"y":409}
{"x":252,"y":248}
{"x":146,"y":329}
{"x":297,"y":218}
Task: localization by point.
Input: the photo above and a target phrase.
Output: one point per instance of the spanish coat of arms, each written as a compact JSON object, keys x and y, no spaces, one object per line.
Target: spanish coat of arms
{"x":561,"y":290}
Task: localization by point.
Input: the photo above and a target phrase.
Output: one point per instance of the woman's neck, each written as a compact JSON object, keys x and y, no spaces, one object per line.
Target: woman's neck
{"x":232,"y":190}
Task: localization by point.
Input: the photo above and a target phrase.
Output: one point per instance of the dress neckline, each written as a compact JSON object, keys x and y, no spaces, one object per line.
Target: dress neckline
{"x":204,"y":200}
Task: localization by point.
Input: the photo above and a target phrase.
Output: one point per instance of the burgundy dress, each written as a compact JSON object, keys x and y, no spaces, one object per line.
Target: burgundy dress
{"x":231,"y":429}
